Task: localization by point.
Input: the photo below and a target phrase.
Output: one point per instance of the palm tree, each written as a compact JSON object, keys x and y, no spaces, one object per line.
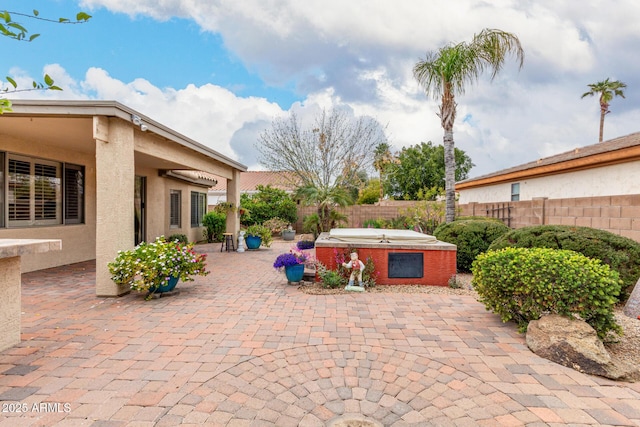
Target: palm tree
{"x":445,"y":73}
{"x":327,"y":200}
{"x":607,"y":90}
{"x":381,"y":158}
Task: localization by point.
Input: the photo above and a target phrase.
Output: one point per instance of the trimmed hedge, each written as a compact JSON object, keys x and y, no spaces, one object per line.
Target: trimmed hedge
{"x":620,"y":253}
{"x":471,"y":236}
{"x":522,"y":284}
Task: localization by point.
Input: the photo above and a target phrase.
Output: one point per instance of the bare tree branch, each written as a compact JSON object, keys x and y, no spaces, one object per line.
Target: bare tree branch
{"x":334,"y":148}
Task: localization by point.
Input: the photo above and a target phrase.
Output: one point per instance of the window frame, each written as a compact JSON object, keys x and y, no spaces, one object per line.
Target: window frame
{"x":175,"y":208}
{"x":73,"y":193}
{"x":515,"y":192}
{"x":51,"y":193}
{"x":198,"y":208}
{"x":37,"y":211}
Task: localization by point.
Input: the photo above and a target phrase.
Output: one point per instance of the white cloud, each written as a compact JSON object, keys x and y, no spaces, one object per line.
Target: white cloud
{"x":360,"y":53}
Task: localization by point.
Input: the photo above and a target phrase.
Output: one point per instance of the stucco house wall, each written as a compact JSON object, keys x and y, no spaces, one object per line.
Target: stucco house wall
{"x":114,"y":144}
{"x":78,"y":239}
{"x":618,"y":179}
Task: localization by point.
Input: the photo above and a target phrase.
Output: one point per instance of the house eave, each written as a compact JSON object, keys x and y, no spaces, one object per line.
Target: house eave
{"x":84,"y":108}
{"x":202,"y":182}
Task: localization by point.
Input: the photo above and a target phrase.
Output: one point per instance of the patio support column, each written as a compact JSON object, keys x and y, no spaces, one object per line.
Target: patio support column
{"x":115,"y":186}
{"x":233,"y":196}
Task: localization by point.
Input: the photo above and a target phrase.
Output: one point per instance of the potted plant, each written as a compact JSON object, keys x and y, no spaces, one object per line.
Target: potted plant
{"x":288,"y":233}
{"x":305,"y":244}
{"x":292,"y":263}
{"x":257,"y":235}
{"x":156,"y":267}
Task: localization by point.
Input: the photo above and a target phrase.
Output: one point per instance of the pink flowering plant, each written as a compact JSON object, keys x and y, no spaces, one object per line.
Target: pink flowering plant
{"x":150,"y":265}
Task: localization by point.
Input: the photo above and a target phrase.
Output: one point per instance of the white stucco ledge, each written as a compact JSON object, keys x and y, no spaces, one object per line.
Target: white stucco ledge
{"x":18,"y":247}
{"x":11,"y":251}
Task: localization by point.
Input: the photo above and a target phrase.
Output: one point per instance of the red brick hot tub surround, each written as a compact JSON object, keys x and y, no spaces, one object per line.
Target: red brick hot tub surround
{"x":439,"y":258}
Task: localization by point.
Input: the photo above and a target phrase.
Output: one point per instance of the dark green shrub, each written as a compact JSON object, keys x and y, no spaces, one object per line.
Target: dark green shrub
{"x":522,"y":284}
{"x":268,"y":203}
{"x":620,"y":253}
{"x":182,"y":238}
{"x":215,"y":224}
{"x":471,"y":236}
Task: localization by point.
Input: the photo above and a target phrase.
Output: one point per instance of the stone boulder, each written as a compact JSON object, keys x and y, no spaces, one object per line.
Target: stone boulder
{"x":632,"y":307}
{"x":575,"y":344}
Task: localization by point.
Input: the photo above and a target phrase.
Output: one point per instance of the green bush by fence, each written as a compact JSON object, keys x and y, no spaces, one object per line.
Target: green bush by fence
{"x":620,"y":253}
{"x":522,"y":284}
{"x":471,"y":236}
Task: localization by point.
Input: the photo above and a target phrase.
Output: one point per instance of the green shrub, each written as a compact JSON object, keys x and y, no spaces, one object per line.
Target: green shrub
{"x":620,"y":253}
{"x":182,"y":238}
{"x":373,"y":223}
{"x":215,"y":224}
{"x":268,"y":203}
{"x":425,"y":216}
{"x":369,"y":194}
{"x":522,"y":284}
{"x":471,"y":236}
{"x":330,"y":278}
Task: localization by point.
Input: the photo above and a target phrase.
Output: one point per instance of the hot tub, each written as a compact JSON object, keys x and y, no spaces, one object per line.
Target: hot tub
{"x":402,"y":257}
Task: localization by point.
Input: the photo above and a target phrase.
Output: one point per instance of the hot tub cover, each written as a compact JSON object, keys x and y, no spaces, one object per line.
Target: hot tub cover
{"x":368,"y":235}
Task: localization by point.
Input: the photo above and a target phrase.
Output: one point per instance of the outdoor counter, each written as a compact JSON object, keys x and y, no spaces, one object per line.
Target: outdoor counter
{"x":11,"y":251}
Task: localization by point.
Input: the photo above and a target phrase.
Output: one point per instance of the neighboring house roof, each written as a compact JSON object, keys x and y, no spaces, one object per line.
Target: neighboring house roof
{"x":250,"y":180}
{"x":618,"y":150}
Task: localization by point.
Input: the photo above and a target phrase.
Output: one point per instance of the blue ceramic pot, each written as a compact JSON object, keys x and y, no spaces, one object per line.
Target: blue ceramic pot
{"x":166,"y":286}
{"x":253,"y":242}
{"x":294,"y":273}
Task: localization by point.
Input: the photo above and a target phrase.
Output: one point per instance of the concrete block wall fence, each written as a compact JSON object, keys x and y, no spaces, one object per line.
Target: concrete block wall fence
{"x":617,"y":214}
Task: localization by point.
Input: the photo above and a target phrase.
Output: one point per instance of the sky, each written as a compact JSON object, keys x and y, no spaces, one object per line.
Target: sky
{"x":220,"y":71}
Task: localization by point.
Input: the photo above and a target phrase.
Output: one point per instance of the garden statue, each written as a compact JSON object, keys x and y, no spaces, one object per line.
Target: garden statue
{"x":241,"y":242}
{"x":357,"y":267}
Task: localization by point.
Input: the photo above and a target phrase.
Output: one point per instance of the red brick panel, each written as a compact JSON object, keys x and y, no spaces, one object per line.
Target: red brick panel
{"x":439,"y":265}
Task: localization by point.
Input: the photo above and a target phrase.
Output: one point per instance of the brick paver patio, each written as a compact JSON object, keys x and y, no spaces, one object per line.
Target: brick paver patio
{"x":241,"y":347}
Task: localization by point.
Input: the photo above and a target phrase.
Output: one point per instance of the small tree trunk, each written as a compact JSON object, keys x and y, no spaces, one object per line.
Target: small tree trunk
{"x":447,"y":118}
{"x":449,"y":176}
{"x":602,"y":114}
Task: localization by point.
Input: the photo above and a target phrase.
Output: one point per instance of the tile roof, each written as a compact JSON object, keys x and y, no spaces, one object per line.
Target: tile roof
{"x":251,"y":179}
{"x":610,"y":146}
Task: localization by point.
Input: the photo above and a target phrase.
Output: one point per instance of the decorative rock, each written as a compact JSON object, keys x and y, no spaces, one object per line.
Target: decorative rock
{"x":575,"y":344}
{"x":632,"y":307}
{"x":354,"y":288}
